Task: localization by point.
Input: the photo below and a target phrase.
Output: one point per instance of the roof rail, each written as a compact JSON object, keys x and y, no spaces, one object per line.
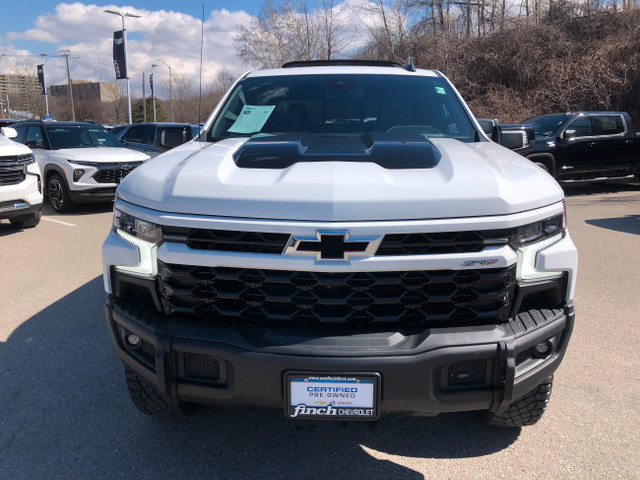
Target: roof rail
{"x":341,"y":62}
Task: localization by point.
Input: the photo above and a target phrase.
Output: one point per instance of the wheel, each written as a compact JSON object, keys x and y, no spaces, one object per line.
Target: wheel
{"x":27,"y":221}
{"x":147,"y":399}
{"x":526,"y":410}
{"x":542,"y":166}
{"x":57,"y":194}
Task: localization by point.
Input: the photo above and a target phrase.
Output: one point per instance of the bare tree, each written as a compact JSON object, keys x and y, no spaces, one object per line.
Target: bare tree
{"x":185,"y":99}
{"x":117,"y":104}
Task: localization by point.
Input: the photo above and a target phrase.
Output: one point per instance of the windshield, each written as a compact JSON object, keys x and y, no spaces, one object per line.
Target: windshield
{"x":343,"y":104}
{"x":80,"y":136}
{"x":545,"y":126}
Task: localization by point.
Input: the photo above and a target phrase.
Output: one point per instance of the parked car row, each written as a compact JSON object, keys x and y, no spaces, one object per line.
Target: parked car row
{"x":76,"y":162}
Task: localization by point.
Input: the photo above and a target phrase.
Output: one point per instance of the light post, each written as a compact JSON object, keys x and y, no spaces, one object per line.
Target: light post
{"x":170,"y":89}
{"x":153,"y":93}
{"x":46,"y":97}
{"x":126,"y":61}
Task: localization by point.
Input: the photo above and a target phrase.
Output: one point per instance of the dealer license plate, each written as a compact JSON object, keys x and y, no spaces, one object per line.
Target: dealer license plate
{"x":341,"y":396}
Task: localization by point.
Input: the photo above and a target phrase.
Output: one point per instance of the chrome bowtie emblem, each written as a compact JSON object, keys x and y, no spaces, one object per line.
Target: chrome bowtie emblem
{"x":335,"y":245}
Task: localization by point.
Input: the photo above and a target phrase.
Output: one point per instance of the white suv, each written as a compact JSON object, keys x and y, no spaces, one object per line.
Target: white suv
{"x":79,"y":161}
{"x":20,"y":183}
{"x":342,"y":241}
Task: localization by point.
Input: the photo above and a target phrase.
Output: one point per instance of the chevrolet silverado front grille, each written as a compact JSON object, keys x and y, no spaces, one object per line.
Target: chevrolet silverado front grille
{"x":480,"y":296}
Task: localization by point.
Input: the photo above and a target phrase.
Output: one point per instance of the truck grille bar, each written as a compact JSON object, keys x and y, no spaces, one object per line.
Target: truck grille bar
{"x":392,"y":244}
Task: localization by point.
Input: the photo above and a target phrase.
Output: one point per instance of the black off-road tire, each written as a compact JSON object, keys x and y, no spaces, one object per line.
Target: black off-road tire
{"x":526,"y":410}
{"x":57,"y":194}
{"x":26,"y":221}
{"x":146,"y":398}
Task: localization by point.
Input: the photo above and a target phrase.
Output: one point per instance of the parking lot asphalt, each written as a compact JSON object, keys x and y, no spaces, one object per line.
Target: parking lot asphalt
{"x":65,"y":411}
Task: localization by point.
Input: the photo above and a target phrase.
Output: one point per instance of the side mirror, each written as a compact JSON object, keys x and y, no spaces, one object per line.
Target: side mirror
{"x":568,"y":134}
{"x":487,"y":125}
{"x":9,"y":132}
{"x":172,"y":137}
{"x":519,"y":138}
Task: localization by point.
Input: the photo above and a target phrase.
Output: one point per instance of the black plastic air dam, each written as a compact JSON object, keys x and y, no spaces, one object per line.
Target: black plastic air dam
{"x":254,"y":359}
{"x":389,"y":150}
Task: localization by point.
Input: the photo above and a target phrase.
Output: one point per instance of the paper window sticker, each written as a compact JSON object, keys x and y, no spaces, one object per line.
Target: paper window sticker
{"x":251,"y":118}
{"x":440,"y":90}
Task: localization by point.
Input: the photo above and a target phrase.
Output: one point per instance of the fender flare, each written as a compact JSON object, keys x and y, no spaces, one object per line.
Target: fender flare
{"x":546,"y":158}
{"x":52,"y":168}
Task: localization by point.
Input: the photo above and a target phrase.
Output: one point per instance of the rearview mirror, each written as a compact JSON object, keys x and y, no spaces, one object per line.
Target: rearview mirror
{"x":568,"y":134}
{"x":518,"y":138}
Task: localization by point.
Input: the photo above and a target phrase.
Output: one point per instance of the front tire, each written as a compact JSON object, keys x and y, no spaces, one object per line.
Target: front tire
{"x":147,"y":399}
{"x":26,"y":221}
{"x":57,"y":194}
{"x":526,"y":410}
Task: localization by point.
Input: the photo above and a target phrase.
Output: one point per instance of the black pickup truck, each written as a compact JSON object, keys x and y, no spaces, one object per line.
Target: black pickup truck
{"x":586,"y":146}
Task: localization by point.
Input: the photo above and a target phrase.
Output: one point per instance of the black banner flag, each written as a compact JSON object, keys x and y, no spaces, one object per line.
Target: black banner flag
{"x":41,"y":79}
{"x":119,"y":62}
{"x":153,"y":92}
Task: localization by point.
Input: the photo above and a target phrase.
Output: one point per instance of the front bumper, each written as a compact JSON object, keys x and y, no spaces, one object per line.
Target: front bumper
{"x":422,"y":371}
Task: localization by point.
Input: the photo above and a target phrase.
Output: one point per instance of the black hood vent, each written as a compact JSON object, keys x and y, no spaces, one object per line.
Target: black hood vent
{"x":389,"y":150}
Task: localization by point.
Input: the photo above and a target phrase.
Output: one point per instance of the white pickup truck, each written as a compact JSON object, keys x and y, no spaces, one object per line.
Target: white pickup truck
{"x":20,"y":182}
{"x":342,"y":241}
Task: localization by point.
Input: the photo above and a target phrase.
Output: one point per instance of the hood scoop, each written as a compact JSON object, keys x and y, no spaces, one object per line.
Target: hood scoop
{"x":391,"y":151}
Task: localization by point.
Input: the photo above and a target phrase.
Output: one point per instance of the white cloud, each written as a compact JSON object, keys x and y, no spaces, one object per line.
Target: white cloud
{"x":172,"y":36}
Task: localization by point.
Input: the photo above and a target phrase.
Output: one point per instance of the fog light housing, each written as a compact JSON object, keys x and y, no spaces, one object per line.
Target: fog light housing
{"x":134,"y":340}
{"x":77,"y":174}
{"x":39,"y":184}
{"x":542,"y":349}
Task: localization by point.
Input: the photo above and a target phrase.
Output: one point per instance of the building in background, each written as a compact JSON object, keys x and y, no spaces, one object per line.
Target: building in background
{"x":87,"y":90}
{"x":20,"y":88}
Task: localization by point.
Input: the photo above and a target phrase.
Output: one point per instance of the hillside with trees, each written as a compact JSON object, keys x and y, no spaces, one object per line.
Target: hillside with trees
{"x":510,"y":61}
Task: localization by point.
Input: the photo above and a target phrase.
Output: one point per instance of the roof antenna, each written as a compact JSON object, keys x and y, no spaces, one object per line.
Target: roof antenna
{"x":201,"y":47}
{"x":409,"y":66}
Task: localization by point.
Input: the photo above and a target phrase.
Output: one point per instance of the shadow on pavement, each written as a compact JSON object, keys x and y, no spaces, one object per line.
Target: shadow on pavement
{"x":628,"y":224}
{"x":65,"y":413}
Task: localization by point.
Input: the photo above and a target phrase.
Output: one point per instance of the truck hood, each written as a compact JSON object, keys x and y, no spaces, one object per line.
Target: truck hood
{"x":469,"y":180}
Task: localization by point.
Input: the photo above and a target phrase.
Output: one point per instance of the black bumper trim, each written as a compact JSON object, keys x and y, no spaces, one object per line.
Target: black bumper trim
{"x":20,"y":211}
{"x":93,"y":195}
{"x":253,"y":359}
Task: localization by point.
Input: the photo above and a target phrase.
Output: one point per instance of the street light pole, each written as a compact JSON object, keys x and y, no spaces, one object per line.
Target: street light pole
{"x":46,"y":97}
{"x":170,"y":90}
{"x":153,"y":94}
{"x":126,"y":60}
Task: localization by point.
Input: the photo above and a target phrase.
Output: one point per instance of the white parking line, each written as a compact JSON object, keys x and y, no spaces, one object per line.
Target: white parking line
{"x":58,"y":221}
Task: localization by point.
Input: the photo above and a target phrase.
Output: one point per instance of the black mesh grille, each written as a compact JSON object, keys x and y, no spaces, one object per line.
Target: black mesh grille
{"x":201,"y":366}
{"x":13,"y":170}
{"x":114,"y":173}
{"x":447,"y":242}
{"x":481,"y":296}
{"x":227,"y":240}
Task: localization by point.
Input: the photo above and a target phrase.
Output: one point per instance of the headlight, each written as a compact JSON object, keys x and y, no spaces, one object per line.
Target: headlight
{"x":530,"y":239}
{"x":538,"y":231}
{"x":27,"y":159}
{"x":147,"y":231}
